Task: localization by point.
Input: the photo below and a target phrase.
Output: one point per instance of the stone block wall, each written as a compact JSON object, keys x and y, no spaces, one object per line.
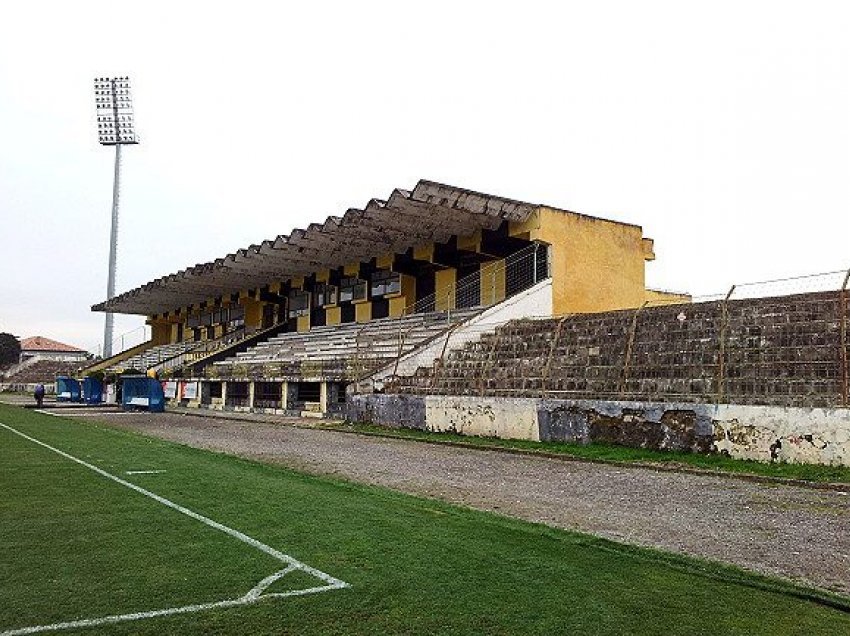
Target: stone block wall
{"x":783,"y":351}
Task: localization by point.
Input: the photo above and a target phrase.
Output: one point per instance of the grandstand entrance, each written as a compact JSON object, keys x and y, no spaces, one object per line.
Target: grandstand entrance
{"x":268,"y":395}
{"x":308,"y":392}
{"x":237,"y":394}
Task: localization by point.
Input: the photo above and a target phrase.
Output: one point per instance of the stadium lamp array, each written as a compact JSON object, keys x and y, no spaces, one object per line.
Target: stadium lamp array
{"x":114,"y":111}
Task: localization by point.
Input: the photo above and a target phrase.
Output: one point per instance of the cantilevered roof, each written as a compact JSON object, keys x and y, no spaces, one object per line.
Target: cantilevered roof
{"x":431,"y":212}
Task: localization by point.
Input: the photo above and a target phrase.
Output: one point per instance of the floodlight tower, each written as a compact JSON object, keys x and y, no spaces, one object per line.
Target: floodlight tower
{"x":114,"y":128}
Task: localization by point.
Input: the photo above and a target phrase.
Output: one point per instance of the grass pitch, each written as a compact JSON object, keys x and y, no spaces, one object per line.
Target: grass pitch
{"x":76,"y":545}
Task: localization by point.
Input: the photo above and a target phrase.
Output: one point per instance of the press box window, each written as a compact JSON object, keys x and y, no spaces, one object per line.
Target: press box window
{"x":236,"y":318}
{"x":324,"y":295}
{"x":299,"y":304}
{"x":385,"y":283}
{"x":352,"y":289}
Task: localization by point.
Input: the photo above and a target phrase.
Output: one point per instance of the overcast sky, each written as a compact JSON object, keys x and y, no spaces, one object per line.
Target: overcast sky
{"x":722,"y":128}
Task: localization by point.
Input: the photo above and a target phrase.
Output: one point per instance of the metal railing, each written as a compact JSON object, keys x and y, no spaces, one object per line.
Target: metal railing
{"x":494,"y":283}
{"x":127,"y":340}
{"x":491,"y":284}
{"x":203,"y":348}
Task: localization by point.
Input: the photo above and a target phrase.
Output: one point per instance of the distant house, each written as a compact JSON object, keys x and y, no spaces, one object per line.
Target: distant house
{"x":47,"y":349}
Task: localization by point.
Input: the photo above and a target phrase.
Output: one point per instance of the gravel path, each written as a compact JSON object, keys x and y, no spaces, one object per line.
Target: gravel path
{"x":797,"y":533}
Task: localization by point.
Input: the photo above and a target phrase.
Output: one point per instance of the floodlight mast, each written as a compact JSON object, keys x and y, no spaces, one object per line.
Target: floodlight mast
{"x":114,"y":128}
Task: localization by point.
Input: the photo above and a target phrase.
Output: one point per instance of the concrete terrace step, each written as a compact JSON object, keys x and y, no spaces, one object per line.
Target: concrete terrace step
{"x":376,"y":340}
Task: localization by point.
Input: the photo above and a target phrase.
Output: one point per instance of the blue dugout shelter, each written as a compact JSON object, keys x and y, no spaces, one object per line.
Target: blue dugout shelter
{"x":92,"y":391}
{"x":67,"y":389}
{"x":139,"y":392}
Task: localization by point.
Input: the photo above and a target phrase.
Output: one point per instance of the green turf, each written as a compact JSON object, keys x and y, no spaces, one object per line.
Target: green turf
{"x":613,"y":453}
{"x":77,"y":545}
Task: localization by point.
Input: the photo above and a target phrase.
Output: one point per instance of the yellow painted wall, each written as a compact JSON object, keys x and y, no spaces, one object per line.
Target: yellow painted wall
{"x":659,"y":297}
{"x":303,"y":323}
{"x":424,"y":252}
{"x":253,"y":312}
{"x":597,"y":265}
{"x":492,"y":282}
{"x":400,"y":303}
{"x":160,"y":332}
{"x":444,"y":289}
{"x":470,"y":243}
{"x":397,"y":306}
{"x":363,"y":312}
{"x":333,"y":315}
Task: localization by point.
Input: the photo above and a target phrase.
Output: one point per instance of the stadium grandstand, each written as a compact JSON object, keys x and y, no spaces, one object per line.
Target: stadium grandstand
{"x":291,"y":324}
{"x":41,"y":361}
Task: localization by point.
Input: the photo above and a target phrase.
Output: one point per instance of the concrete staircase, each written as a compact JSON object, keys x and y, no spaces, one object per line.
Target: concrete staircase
{"x":152,"y":356}
{"x":42,"y":371}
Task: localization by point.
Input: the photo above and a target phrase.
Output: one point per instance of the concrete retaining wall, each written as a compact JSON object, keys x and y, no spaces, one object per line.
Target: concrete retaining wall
{"x":762,"y":433}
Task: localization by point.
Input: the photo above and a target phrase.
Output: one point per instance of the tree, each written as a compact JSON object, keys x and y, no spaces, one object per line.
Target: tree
{"x":10,"y":350}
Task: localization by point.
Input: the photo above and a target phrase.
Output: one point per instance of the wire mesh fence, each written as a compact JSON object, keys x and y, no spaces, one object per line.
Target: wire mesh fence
{"x":781,"y":342}
{"x":493,"y":282}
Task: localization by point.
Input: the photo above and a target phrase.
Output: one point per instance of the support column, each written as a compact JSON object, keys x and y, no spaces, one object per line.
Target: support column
{"x":323,"y":397}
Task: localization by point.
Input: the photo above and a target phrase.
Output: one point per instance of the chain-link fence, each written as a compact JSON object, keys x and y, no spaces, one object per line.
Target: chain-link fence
{"x":781,"y":342}
{"x":491,"y":283}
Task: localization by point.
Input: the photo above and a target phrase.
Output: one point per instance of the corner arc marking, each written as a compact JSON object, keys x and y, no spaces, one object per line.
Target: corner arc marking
{"x":252,"y":596}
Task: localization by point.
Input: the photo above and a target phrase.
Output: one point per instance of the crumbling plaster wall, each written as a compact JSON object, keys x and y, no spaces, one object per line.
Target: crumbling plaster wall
{"x":762,"y":433}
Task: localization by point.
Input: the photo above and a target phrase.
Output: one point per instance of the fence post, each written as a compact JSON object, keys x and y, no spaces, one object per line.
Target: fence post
{"x":534,"y":265}
{"x":629,"y":346}
{"x":438,"y":362}
{"x":544,"y":381}
{"x":497,"y":336}
{"x":493,"y":300}
{"x":721,"y":370}
{"x":845,"y":371}
{"x":355,"y":364}
{"x":401,"y":339}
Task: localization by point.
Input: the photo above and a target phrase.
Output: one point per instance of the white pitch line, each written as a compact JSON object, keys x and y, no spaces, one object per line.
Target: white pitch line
{"x":143,"y":472}
{"x":76,"y":413}
{"x":253,"y":596}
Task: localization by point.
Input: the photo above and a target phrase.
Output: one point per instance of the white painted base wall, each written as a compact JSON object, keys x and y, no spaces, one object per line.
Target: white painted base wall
{"x":804,"y":435}
{"x":762,"y":433}
{"x":513,"y":418}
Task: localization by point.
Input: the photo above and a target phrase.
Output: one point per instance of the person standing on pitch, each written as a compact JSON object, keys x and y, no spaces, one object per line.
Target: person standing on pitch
{"x":39,"y":394}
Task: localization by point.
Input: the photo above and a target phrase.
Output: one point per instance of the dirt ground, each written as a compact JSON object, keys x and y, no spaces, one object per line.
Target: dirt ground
{"x":797,"y":533}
